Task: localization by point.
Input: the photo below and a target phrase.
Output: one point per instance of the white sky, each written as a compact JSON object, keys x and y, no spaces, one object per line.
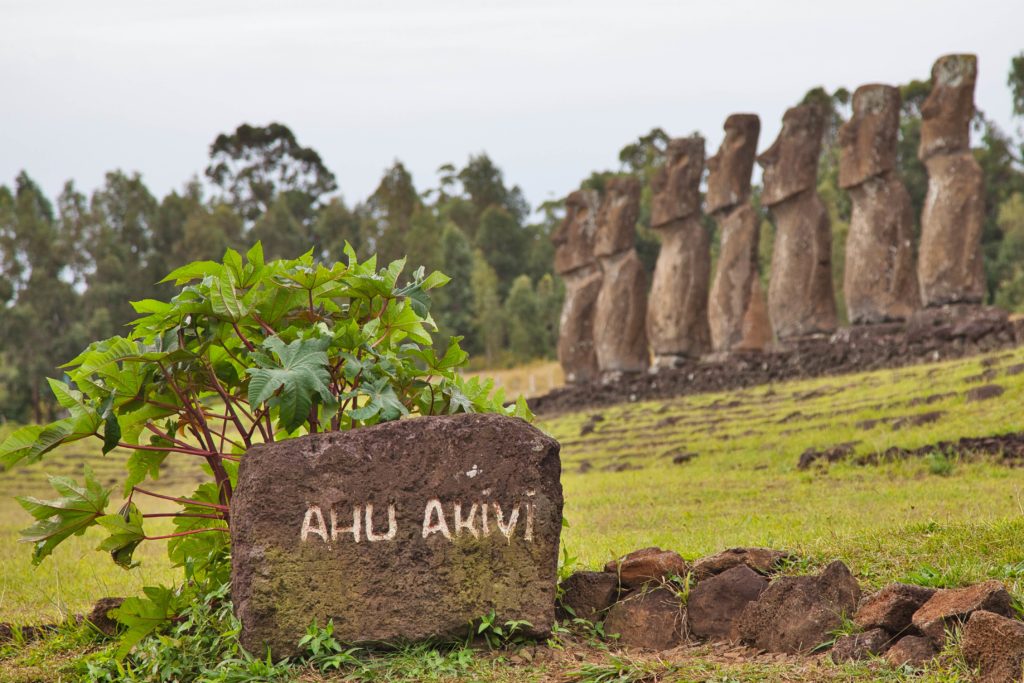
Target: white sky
{"x":551,"y":90}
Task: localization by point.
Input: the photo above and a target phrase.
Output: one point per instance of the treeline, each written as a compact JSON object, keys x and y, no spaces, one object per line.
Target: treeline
{"x":70,"y":268}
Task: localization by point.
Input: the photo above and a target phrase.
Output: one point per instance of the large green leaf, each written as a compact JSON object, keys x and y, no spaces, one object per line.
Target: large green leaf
{"x":142,"y":464}
{"x":125,"y":534}
{"x":76,"y":510}
{"x":291,"y":385}
{"x":143,"y":616}
{"x":225,"y":299}
{"x":381,"y":402}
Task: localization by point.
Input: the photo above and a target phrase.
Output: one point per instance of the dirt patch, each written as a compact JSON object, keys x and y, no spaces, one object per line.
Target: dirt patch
{"x":932,"y":335}
{"x":917,"y":420}
{"x":1007,"y":449}
{"x":832,"y":454}
{"x":928,"y":400}
{"x":985,"y":392}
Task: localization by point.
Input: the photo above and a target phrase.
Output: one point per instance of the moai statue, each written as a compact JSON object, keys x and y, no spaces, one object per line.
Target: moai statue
{"x":950,"y":268}
{"x":737,"y":311}
{"x":576,"y":263}
{"x":800,"y":295}
{"x":880,"y":282}
{"x":619,"y":338}
{"x":677,"y":310}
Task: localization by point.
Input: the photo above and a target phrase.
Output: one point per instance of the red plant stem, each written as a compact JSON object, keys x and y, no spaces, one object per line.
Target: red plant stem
{"x":164,"y":435}
{"x":227,"y":403}
{"x":266,"y":328}
{"x":197,"y":515}
{"x":183,"y":501}
{"x":248,"y":344}
{"x":184,"y":451}
{"x":185,"y":533}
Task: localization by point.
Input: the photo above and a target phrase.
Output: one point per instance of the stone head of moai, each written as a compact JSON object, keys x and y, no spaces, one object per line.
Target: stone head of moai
{"x":868,"y":140}
{"x":791,"y":163}
{"x":730,"y":168}
{"x":616,"y":222}
{"x":946,"y":114}
{"x":675,"y":188}
{"x":574,"y":239}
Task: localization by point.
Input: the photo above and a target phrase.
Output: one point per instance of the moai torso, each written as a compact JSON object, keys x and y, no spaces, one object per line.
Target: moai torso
{"x":677,"y":323}
{"x":620,"y":340}
{"x":880,"y":279}
{"x":950,"y":268}
{"x":737,"y":312}
{"x":800,"y":295}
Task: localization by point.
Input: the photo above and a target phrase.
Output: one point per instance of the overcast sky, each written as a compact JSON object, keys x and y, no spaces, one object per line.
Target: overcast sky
{"x":551,"y":90}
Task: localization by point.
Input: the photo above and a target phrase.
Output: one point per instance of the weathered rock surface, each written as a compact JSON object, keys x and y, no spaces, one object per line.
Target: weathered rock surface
{"x":892,"y":608}
{"x":949,"y":607}
{"x":797,"y":613}
{"x":880,"y":279}
{"x":857,"y":646}
{"x":950,"y":264}
{"x":913,"y":651}
{"x":677,"y":308}
{"x":652,"y":620}
{"x":730,"y":168}
{"x":801,"y":300}
{"x":994,"y":645}
{"x":646,"y":565}
{"x":757,"y":327}
{"x":100,"y":615}
{"x":576,"y":263}
{"x":947,"y":112}
{"x":675,"y":187}
{"x":590,"y":594}
{"x":620,"y":337}
{"x":716,"y":603}
{"x":761,"y":560}
{"x":400,"y":531}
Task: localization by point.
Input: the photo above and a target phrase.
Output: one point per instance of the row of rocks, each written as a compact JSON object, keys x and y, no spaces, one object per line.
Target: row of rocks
{"x":99,"y":618}
{"x":654,"y":599}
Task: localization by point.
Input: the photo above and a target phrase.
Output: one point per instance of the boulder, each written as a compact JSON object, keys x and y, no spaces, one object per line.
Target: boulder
{"x":730,"y":168}
{"x":994,"y":645}
{"x":401,"y":531}
{"x":652,"y":620}
{"x":761,"y":560}
{"x":913,"y":651}
{"x":646,"y":565}
{"x":677,"y":307}
{"x":953,"y":606}
{"x":798,"y":613}
{"x":858,"y":646}
{"x":892,"y":607}
{"x":716,"y":603}
{"x":100,"y":615}
{"x":589,"y":594}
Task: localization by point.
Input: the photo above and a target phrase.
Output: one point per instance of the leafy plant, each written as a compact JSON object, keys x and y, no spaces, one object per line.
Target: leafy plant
{"x":501,"y":635}
{"x":622,"y":669}
{"x":246,"y":352}
{"x":940,"y":463}
{"x":324,"y":650}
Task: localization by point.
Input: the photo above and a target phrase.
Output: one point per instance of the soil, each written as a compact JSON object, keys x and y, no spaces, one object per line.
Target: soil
{"x":931,"y":335}
{"x":1007,"y":449}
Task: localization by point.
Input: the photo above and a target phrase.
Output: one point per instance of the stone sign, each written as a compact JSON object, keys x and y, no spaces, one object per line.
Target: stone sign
{"x":397,"y":532}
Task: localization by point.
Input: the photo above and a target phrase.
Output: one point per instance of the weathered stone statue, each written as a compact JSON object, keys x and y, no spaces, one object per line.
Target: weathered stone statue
{"x":880,"y":281}
{"x":800,"y":295}
{"x":737,"y":312}
{"x":950,"y":268}
{"x":575,"y":262}
{"x":677,"y":310}
{"x":619,"y":338}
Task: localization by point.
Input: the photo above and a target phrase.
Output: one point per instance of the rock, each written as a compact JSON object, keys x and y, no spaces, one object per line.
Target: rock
{"x":675,"y":187}
{"x":858,"y":646}
{"x":576,"y":263}
{"x":985,"y":392}
{"x":589,"y":594}
{"x":801,"y":301}
{"x":100,"y":617}
{"x":620,"y":338}
{"x":645,"y":565}
{"x":949,"y":607}
{"x":950,"y":267}
{"x":868,"y":140}
{"x":729,"y":170}
{"x":913,"y":651}
{"x":717,"y":602}
{"x":994,"y":645}
{"x":757,"y":327}
{"x":761,"y":560}
{"x":797,"y":613}
{"x":947,"y":112}
{"x":652,"y":620}
{"x":892,"y":607}
{"x":400,"y":531}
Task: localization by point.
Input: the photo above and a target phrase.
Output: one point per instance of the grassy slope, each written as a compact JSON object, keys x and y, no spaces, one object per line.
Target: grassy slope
{"x":890,"y":522}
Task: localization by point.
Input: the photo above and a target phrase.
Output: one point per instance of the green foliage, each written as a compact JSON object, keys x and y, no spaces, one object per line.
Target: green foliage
{"x":623,"y":669}
{"x":500,"y":635}
{"x":78,"y":508}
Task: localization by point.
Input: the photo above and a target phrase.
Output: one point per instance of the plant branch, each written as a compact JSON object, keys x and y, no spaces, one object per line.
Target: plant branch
{"x":183,"y":501}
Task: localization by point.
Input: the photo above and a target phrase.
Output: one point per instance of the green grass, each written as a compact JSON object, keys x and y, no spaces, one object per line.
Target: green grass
{"x":933,"y":520}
